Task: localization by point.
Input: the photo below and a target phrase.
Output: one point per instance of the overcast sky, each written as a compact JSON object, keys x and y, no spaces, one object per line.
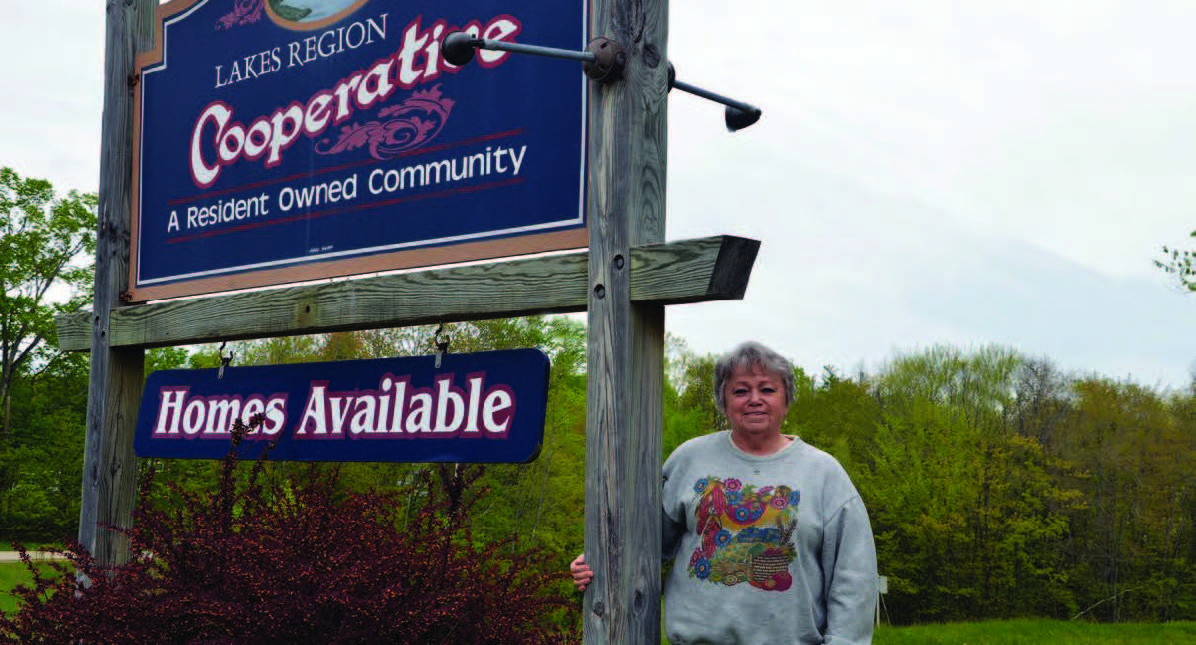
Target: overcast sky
{"x":926,"y":171}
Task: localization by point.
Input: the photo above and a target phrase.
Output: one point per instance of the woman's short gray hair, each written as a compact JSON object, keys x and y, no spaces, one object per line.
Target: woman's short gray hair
{"x":750,"y":355}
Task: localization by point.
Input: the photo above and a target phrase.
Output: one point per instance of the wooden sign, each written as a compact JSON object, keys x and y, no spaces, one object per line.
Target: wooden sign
{"x":486,"y":407}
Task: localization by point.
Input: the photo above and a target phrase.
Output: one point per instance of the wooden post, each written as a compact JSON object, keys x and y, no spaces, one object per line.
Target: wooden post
{"x":625,"y":207}
{"x":109,"y":466}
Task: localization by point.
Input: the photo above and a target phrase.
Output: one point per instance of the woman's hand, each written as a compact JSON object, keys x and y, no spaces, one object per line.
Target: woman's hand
{"x":582,"y":575}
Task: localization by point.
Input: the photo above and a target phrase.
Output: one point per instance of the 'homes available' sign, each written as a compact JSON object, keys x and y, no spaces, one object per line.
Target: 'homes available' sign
{"x":485,"y":407}
{"x":287,"y":140}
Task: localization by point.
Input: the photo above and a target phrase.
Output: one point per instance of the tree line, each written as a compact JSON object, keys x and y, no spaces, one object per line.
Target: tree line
{"x":998,"y":485}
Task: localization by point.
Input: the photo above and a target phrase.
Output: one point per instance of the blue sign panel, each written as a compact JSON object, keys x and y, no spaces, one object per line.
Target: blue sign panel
{"x":285,"y":140}
{"x":487,"y":408}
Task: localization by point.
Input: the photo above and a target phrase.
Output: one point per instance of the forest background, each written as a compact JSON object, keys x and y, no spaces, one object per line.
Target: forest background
{"x":998,"y":485}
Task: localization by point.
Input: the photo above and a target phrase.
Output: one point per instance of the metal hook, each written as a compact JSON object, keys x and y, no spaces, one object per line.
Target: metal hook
{"x":224,"y":360}
{"x":603,"y":60}
{"x":738,"y":114}
{"x":441,"y":345}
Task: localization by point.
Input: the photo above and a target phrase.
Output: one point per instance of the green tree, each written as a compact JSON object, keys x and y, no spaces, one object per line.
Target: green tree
{"x":836,"y":414}
{"x":41,"y":461}
{"x":45,"y":255}
{"x":970,"y":510}
{"x":1134,"y":541}
{"x":689,"y":407}
{"x":1181,"y":264}
{"x":46,"y":246}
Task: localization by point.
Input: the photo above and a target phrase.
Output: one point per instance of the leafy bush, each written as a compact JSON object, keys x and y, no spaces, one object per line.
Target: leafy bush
{"x":299,"y":562}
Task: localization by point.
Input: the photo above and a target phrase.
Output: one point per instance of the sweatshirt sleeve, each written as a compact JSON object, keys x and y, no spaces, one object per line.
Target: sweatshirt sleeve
{"x":670,"y":536}
{"x":849,"y":560}
{"x":672,"y":500}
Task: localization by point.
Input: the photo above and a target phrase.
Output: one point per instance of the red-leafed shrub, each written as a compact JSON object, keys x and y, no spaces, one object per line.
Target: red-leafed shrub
{"x":300,"y":562}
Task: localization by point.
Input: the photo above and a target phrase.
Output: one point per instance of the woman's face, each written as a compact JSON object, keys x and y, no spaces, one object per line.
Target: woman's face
{"x":755,"y":401}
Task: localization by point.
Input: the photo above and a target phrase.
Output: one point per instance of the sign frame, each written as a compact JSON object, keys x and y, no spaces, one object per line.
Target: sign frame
{"x":563,"y":234}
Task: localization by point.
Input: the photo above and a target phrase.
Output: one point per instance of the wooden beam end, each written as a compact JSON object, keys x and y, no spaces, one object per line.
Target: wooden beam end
{"x":733,"y":267}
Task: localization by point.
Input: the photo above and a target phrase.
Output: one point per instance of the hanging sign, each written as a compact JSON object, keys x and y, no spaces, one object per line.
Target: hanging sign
{"x":287,"y":140}
{"x":487,"y":407}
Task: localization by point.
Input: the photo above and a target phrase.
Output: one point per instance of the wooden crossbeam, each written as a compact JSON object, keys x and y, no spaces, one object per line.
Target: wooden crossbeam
{"x":711,"y":268}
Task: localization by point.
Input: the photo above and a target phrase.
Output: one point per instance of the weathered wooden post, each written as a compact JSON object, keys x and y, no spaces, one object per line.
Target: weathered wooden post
{"x":626,"y":208}
{"x":109,"y":467}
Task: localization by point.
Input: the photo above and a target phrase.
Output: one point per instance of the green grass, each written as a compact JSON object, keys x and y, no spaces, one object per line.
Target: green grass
{"x":1020,"y":632}
{"x":1034,"y":632}
{"x":11,"y":575}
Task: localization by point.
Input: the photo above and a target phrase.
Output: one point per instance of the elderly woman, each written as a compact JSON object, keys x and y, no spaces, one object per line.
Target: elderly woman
{"x":770,"y":538}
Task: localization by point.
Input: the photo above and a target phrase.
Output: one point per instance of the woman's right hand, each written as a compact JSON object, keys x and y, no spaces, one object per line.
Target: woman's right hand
{"x":582,"y":575}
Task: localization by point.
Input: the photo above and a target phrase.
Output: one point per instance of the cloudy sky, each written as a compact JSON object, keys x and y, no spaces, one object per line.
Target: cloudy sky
{"x":927,"y":171}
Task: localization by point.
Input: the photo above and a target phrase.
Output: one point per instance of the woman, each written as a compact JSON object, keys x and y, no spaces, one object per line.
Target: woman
{"x":770,"y":538}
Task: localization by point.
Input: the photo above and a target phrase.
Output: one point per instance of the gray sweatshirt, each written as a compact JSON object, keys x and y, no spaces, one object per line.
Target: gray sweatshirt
{"x":771,"y":550}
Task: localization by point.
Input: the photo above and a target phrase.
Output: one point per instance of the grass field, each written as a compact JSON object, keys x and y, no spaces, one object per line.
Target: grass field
{"x":1038,"y":631}
{"x":1035,"y":632}
{"x":11,"y":575}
